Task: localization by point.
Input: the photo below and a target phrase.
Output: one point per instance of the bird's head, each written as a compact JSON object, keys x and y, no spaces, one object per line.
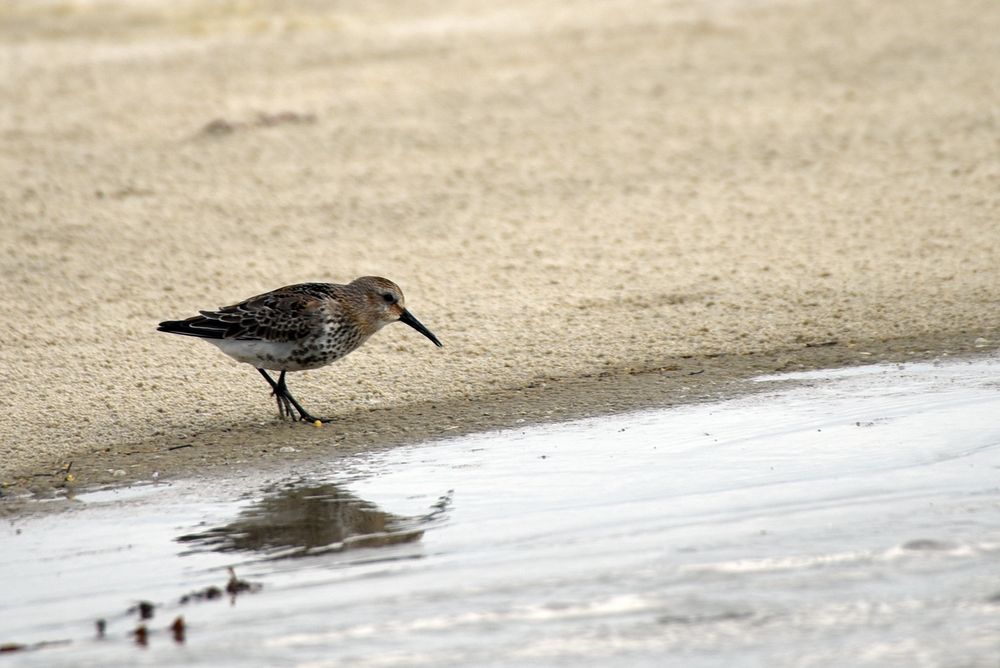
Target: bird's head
{"x":384,"y":300}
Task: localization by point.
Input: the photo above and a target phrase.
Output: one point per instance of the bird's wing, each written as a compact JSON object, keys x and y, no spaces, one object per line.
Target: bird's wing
{"x":285,"y":314}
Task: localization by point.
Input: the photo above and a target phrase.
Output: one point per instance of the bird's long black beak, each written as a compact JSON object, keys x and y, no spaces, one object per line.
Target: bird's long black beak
{"x":408,"y":318}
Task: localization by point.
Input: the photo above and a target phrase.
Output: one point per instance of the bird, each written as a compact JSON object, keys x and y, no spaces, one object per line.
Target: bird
{"x":299,"y":327}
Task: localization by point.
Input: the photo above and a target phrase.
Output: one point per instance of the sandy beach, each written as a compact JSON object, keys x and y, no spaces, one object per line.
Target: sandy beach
{"x":593,"y":206}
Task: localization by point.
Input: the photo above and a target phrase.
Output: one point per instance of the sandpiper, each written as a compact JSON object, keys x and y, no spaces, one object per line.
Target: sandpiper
{"x":298,"y":327}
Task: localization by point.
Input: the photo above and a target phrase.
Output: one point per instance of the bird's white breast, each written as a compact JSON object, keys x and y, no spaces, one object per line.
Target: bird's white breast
{"x":274,"y":356}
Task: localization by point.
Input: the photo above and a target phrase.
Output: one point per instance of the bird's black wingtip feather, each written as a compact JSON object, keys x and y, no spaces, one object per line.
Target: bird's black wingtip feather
{"x":196,"y":326}
{"x":169,"y":326}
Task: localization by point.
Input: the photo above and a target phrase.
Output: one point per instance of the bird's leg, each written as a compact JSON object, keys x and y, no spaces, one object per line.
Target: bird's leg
{"x":284,"y":407}
{"x":286,"y":401}
{"x":285,"y":397}
{"x":304,"y":415}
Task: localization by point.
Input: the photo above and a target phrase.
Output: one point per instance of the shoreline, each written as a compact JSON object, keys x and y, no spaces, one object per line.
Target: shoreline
{"x":234,"y":452}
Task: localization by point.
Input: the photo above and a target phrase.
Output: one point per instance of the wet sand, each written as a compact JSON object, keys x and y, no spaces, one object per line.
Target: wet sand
{"x":632,"y":205}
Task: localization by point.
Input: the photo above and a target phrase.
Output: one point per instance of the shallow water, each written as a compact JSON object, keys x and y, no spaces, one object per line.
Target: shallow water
{"x":849,"y":517}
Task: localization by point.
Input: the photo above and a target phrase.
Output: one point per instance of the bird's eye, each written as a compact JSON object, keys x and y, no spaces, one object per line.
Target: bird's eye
{"x":389,"y":298}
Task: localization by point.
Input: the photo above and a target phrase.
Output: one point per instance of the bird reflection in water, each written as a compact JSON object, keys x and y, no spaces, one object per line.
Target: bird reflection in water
{"x":301,"y":520}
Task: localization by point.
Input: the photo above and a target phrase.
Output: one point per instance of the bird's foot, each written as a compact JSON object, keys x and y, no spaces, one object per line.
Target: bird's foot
{"x":312,"y":419}
{"x":288,"y":407}
{"x":285,"y":409}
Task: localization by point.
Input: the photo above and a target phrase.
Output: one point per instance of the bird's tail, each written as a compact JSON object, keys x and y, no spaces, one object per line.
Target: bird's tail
{"x":199,"y":326}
